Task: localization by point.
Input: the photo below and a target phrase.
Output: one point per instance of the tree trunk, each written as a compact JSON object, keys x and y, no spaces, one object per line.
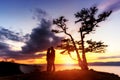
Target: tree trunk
{"x":84,"y":60}
{"x":80,"y":62}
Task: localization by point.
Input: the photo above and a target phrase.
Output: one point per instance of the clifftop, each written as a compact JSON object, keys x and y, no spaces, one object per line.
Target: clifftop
{"x":65,"y":75}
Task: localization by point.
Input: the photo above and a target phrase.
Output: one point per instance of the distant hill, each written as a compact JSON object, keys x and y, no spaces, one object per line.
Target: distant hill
{"x":9,"y":68}
{"x":97,"y":64}
{"x":105,"y":64}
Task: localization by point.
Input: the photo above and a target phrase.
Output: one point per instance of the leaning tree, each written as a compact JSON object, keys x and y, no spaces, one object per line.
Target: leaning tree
{"x":89,"y":20}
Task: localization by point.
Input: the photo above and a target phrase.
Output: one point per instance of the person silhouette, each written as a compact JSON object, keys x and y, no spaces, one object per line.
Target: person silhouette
{"x":50,"y":59}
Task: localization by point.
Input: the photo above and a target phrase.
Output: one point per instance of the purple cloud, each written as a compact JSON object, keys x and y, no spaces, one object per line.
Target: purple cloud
{"x":113,"y":5}
{"x":40,"y":39}
{"x":41,"y":35}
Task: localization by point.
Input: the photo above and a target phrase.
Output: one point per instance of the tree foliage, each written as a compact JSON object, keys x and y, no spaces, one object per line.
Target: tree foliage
{"x":89,"y":20}
{"x":95,"y":47}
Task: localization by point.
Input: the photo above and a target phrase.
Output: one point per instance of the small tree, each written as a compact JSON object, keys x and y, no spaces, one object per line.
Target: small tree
{"x":61,"y":23}
{"x":89,"y":22}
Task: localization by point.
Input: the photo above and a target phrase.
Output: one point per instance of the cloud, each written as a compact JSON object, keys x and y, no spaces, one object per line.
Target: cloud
{"x":108,"y":57}
{"x":41,"y":37}
{"x":8,"y":34}
{"x":7,"y":53}
{"x":3,"y":46}
{"x":113,"y":5}
{"x":40,"y":14}
{"x":17,"y":55}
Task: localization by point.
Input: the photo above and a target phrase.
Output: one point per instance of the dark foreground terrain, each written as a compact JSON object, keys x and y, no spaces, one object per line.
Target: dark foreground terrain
{"x":64,"y":75}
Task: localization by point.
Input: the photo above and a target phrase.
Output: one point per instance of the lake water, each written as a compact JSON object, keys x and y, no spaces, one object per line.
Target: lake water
{"x":110,"y":69}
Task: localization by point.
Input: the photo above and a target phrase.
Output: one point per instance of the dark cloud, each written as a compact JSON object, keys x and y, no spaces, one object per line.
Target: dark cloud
{"x":41,"y":35}
{"x":8,"y":34}
{"x":40,"y":39}
{"x":3,"y":46}
{"x":17,"y":55}
{"x":108,"y":57}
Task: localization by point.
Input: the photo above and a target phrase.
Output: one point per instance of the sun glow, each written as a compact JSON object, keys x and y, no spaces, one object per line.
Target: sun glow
{"x":63,"y":58}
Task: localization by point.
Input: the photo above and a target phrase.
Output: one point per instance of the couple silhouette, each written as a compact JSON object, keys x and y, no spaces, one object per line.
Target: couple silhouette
{"x":50,"y":59}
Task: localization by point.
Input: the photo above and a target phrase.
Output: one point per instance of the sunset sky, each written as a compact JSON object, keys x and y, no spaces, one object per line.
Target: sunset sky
{"x":33,"y":17}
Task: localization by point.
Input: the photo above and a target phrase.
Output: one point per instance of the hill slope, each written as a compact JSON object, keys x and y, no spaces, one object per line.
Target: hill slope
{"x":65,"y":75}
{"x":8,"y":68}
